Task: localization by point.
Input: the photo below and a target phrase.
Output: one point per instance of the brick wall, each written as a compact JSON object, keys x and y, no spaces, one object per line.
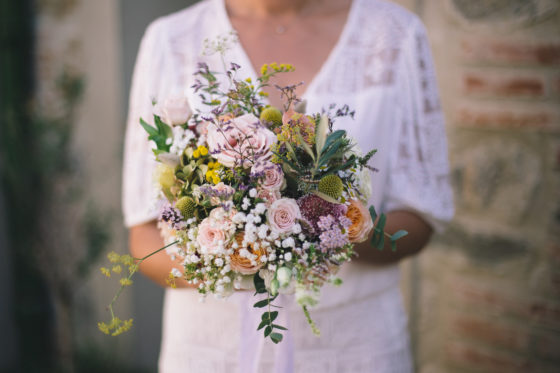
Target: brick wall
{"x":484,"y":297}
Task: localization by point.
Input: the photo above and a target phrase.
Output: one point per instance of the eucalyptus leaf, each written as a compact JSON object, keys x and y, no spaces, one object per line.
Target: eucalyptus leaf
{"x":372,"y":213}
{"x":276,"y":326}
{"x":276,"y":337}
{"x":267,"y":331}
{"x":260,"y":287}
{"x":398,"y":235}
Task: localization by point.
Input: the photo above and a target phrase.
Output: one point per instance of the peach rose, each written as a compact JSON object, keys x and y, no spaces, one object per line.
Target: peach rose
{"x":361,"y":221}
{"x":211,"y":237}
{"x":244,"y":137}
{"x":283,"y":214}
{"x":242,"y":264}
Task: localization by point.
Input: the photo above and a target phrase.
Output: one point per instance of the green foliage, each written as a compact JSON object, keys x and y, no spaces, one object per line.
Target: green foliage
{"x":269,"y":316}
{"x":158,"y":134}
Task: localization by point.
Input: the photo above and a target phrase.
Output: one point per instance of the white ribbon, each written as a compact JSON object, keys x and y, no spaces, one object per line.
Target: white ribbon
{"x":252,"y":340}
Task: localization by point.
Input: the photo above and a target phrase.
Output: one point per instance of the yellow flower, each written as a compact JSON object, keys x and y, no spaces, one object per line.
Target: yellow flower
{"x":117,"y":269}
{"x":209,"y":176}
{"x":203,"y":150}
{"x":216,"y":179}
{"x":196,"y":153}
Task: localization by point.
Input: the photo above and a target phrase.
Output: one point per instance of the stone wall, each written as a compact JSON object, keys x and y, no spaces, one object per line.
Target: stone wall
{"x":484,"y":297}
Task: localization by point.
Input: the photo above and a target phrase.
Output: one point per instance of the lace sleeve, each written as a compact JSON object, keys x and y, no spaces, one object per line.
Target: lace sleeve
{"x":419,"y":169}
{"x":138,"y":188}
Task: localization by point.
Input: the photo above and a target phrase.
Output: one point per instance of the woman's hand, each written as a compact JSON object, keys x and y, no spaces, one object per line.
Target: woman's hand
{"x":419,"y":233}
{"x":145,"y":239}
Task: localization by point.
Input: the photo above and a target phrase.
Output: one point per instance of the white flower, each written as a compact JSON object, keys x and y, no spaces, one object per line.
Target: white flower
{"x":296,"y":229}
{"x":260,"y":208}
{"x":176,"y":273}
{"x":288,"y":242}
{"x":253,"y":193}
{"x":284,"y":276}
{"x":174,"y":111}
{"x":288,"y":256}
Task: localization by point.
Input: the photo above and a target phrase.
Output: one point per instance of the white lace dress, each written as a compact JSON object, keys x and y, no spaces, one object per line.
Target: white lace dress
{"x":381,"y":67}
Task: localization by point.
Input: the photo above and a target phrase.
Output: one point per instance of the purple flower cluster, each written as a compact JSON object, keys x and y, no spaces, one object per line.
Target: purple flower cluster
{"x":332,"y":236}
{"x":314,"y":207}
{"x":222,"y":194}
{"x":173,"y":216}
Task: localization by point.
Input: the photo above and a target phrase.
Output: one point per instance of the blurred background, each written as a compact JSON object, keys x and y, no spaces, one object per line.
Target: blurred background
{"x":483,"y":297}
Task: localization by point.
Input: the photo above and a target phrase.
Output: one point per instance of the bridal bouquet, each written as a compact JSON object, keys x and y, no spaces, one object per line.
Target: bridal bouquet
{"x":256,"y":197}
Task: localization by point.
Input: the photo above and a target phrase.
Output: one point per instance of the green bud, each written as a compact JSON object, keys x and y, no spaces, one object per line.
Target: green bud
{"x":331,"y":185}
{"x":272,"y":115}
{"x":187,"y":207}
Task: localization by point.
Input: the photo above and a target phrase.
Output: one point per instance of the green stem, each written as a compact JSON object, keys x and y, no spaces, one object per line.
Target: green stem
{"x":139,"y":261}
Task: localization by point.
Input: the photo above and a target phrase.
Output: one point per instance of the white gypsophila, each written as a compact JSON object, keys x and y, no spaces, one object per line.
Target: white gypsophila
{"x":301,"y":237}
{"x":260,"y":208}
{"x":175,"y":272}
{"x":288,"y":242}
{"x":288,"y":256}
{"x":253,"y":193}
{"x":239,"y":218}
{"x":296,"y":229}
{"x":181,"y":138}
{"x":219,"y":262}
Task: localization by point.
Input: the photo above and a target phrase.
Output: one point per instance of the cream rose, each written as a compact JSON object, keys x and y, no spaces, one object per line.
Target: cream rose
{"x":361,"y":221}
{"x":241,"y":141}
{"x":174,"y":111}
{"x":283,"y":214}
{"x":211,"y":237}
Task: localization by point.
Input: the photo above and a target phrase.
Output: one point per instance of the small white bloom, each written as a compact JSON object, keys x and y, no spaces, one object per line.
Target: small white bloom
{"x":176,"y":273}
{"x":288,"y":256}
{"x":253,"y":193}
{"x":260,"y":208}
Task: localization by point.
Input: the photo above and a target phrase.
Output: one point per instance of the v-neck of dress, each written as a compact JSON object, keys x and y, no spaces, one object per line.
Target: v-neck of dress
{"x":325,"y":66}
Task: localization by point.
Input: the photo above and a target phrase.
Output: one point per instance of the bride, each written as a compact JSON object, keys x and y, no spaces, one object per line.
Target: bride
{"x":369,"y":54}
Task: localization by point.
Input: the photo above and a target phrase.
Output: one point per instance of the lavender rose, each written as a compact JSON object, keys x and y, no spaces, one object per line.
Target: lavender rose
{"x":283,"y":214}
{"x":243,"y":141}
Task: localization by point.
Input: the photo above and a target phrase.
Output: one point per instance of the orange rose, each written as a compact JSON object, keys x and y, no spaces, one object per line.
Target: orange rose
{"x":242,"y":264}
{"x":361,"y":221}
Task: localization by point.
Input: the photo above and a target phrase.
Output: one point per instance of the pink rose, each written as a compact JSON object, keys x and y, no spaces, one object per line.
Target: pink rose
{"x":174,"y":111}
{"x":283,"y":214}
{"x":272,"y":175}
{"x":269,"y":195}
{"x":242,"y":141}
{"x":211,"y":237}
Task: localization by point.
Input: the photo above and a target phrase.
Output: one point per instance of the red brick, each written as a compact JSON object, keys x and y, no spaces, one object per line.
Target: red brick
{"x":531,"y":118}
{"x":503,"y":86}
{"x":511,"y":52}
{"x":480,"y":360}
{"x":524,"y":307}
{"x":492,"y":333}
